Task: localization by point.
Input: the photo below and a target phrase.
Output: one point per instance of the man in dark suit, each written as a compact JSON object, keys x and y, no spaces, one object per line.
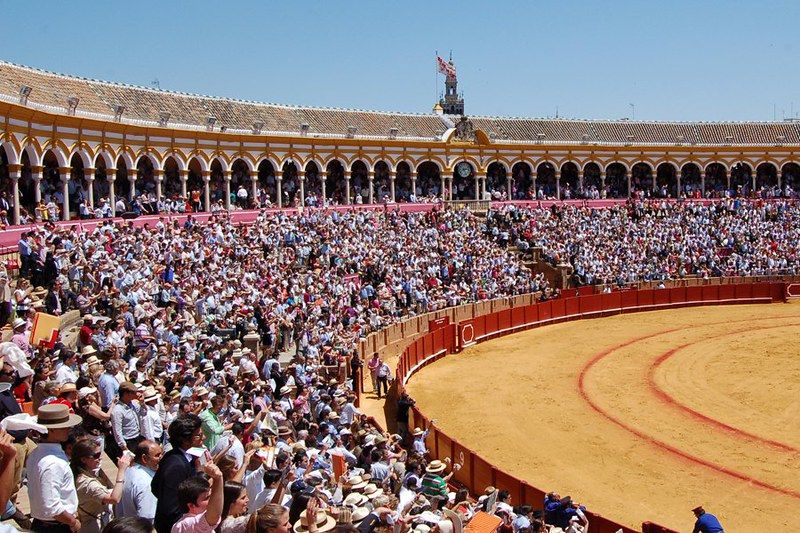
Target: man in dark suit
{"x":56,"y":301}
{"x":185,"y":432}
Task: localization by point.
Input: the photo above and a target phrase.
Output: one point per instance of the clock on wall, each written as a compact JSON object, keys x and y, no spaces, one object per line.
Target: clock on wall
{"x":463,"y":169}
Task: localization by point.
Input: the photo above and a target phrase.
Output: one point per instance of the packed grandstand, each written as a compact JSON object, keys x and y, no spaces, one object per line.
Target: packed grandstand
{"x":226,"y":332}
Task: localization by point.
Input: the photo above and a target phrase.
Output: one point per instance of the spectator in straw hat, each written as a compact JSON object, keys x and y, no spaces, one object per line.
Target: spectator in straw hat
{"x":67,"y":395}
{"x":51,"y":485}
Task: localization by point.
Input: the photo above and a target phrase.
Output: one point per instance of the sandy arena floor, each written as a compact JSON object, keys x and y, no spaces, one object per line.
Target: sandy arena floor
{"x":640,"y":416}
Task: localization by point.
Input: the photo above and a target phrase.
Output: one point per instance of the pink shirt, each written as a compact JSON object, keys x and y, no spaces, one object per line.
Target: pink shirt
{"x":196,"y":523}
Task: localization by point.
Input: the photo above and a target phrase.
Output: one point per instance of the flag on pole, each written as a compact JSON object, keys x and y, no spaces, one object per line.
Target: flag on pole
{"x":445,"y":68}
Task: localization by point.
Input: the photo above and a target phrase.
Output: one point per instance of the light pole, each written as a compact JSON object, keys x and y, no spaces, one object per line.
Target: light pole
{"x":633,"y":111}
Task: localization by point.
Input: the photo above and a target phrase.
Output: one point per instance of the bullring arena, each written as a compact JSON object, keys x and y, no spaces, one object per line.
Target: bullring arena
{"x":638,"y":414}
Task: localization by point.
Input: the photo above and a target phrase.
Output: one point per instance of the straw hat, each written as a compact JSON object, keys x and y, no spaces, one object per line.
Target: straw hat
{"x":57,"y":416}
{"x":150,"y":394}
{"x":356,"y":483}
{"x":434,"y":467}
{"x":67,"y":387}
{"x":88,"y":350}
{"x":358,"y":515}
{"x":372,"y":491}
{"x":418,"y":432}
{"x":325,"y":522}
{"x":201,"y":391}
{"x":18,"y":322}
{"x":356,"y":499}
{"x":93,"y":360}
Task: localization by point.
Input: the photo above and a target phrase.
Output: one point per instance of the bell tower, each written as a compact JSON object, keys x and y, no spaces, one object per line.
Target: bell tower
{"x":452,"y":103}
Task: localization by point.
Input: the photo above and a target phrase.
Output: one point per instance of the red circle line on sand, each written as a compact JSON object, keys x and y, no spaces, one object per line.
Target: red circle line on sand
{"x":670,"y":400}
{"x":655,"y":442}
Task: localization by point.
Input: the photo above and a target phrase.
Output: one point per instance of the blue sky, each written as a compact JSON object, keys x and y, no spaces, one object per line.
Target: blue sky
{"x":674,"y":60}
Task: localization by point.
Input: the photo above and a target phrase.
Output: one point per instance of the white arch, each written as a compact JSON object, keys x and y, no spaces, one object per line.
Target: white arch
{"x":127,"y":159}
{"x":499,"y":162}
{"x":84,"y":155}
{"x":222,"y":163}
{"x":106,"y":157}
{"x":270,"y":160}
{"x":178,"y":161}
{"x":704,"y":169}
{"x":59,"y":155}
{"x":34,"y":157}
{"x":435,"y":162}
{"x":11,"y":153}
{"x":153,"y":161}
{"x":200,"y":161}
{"x":623,"y":163}
{"x":245,"y":160}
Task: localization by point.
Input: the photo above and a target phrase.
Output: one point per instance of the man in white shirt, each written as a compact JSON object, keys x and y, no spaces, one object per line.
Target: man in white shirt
{"x":349,"y":412}
{"x":51,"y":484}
{"x":67,"y":371}
{"x":137,"y":497}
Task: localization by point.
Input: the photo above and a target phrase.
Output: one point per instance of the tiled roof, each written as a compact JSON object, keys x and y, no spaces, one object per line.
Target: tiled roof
{"x":50,"y":91}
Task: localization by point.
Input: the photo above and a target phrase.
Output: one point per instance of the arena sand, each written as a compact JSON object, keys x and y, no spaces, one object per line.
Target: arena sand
{"x":640,"y":416}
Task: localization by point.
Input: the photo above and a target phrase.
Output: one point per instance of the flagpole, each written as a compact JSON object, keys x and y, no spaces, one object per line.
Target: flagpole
{"x":436,"y":78}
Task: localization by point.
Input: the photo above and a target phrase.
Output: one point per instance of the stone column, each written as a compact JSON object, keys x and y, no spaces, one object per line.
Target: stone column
{"x":413,"y":182}
{"x":558,"y":184}
{"x":132,"y":179}
{"x":450,"y":188}
{"x":111,"y":176}
{"x":226,"y":177}
{"x":88,"y":176}
{"x":371,"y":179}
{"x":36,"y":174}
{"x":580,"y":180}
{"x":207,"y":190}
{"x":628,"y":174}
{"x":678,"y":177}
{"x":279,"y":186}
{"x":509,"y":183}
{"x":65,"y":173}
{"x":347,"y":186}
{"x":301,"y":177}
{"x":603,"y":192}
{"x":184,"y":183}
{"x":392,"y":179}
{"x":15,"y":172}
{"x":703,"y":184}
{"x":159,"y":176}
{"x":254,"y":188}
{"x":477,"y":187}
{"x":323,"y":178}
{"x":442,"y":187}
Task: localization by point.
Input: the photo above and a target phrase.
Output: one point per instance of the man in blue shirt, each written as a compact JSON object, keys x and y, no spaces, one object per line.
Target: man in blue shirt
{"x":706,"y":523}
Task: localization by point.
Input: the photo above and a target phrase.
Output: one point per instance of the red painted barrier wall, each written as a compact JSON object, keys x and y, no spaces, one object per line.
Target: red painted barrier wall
{"x":477,"y":473}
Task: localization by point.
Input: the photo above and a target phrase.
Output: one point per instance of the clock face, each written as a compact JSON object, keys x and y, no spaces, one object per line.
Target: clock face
{"x":464,"y":169}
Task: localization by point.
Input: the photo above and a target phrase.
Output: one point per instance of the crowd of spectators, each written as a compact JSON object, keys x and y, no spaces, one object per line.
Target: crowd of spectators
{"x":207,"y":433}
{"x":650,"y":240}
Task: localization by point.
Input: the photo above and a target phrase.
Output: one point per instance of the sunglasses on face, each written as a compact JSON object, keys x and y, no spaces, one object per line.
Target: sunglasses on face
{"x":96,"y":455}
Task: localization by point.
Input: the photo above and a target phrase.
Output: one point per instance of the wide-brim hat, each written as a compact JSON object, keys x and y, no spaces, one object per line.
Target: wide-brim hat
{"x":434,"y":467}
{"x":359,"y":514}
{"x":150,"y":394}
{"x":18,"y":322}
{"x":57,"y":416}
{"x":88,"y":318}
{"x":286,"y":389}
{"x":88,"y":350}
{"x":284,"y":431}
{"x":372,"y":491}
{"x":67,"y":387}
{"x":38,"y":292}
{"x":93,"y":360}
{"x":418,"y":432}
{"x":325,"y":522}
{"x":200,"y":391}
{"x":356,"y":499}
{"x":208,"y":366}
